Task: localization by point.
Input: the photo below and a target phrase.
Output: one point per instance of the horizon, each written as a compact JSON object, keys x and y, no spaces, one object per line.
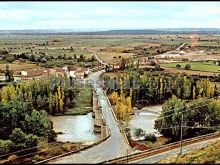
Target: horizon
{"x":109,"y":30}
{"x":104,"y":16}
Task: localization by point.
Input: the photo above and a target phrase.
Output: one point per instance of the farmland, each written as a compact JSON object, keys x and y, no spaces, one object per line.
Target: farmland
{"x":134,"y":58}
{"x":199,"y":66}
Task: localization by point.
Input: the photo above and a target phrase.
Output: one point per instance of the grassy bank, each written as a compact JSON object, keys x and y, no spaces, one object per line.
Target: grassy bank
{"x":44,"y":151}
{"x":206,"y":155}
{"x":83,"y":103}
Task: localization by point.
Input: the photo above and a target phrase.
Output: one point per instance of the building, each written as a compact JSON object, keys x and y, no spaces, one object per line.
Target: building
{"x":54,"y":71}
{"x":181,"y":53}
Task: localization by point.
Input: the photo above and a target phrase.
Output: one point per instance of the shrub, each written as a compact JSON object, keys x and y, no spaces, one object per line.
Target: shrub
{"x":57,"y":40}
{"x":150,"y":137}
{"x":36,"y":158}
{"x":187,"y":66}
{"x":152,"y":63}
{"x":139,"y":132}
{"x":12,"y":158}
{"x":5,"y":146}
{"x":178,"y":66}
{"x":157,"y":67}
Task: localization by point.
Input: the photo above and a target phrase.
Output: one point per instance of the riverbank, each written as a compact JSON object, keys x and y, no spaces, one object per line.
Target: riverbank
{"x":43,"y":151}
{"x":83,"y":103}
{"x":144,"y":119}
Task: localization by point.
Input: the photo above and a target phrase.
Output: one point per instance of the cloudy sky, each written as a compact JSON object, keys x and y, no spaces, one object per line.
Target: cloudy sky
{"x":82,"y":16}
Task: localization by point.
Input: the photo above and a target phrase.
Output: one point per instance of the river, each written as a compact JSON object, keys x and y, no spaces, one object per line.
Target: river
{"x":144,"y":119}
{"x":78,"y":128}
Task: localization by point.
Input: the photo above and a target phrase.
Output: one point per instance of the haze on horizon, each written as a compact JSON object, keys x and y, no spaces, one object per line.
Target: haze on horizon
{"x":96,"y":16}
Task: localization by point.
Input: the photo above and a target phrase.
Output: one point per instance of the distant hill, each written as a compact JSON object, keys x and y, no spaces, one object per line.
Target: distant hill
{"x":159,"y":31}
{"x":117,"y":32}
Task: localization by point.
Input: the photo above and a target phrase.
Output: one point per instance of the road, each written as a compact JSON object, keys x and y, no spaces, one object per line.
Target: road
{"x":97,"y":58}
{"x":114,"y":146}
{"x":186,"y":149}
{"x":174,"y":52}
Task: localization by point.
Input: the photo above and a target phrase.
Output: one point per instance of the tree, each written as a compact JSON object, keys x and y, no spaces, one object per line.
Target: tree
{"x":81,"y":58}
{"x":18,"y":138}
{"x":21,"y":140}
{"x":187,"y":67}
{"x":8,"y":74}
{"x":39,"y":124}
{"x":122,"y":64}
{"x":178,"y":66}
{"x":71,"y":49}
{"x":157,"y":67}
{"x":8,"y":93}
{"x":138,"y":64}
{"x":5,"y":146}
{"x":152,"y":63}
{"x":114,"y":98}
{"x":150,"y":137}
{"x":74,"y":56}
{"x":170,"y":118}
{"x":31,"y":141}
{"x":139,"y":133}
{"x":51,"y":102}
{"x":198,"y":114}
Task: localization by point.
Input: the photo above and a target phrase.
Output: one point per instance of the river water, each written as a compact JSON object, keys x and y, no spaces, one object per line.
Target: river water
{"x":78,"y":128}
{"x":144,"y":119}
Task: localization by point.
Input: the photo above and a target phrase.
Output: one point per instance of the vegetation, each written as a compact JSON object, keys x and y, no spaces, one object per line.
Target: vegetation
{"x":205,"y":155}
{"x":200,"y":66}
{"x":54,"y":96}
{"x":21,"y":126}
{"x":83,"y":102}
{"x":122,"y":103}
{"x":150,"y":137}
{"x":153,"y":89}
{"x":8,"y":74}
{"x":200,"y":116}
{"x":139,"y":133}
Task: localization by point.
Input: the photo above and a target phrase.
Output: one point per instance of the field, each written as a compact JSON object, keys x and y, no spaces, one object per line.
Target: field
{"x":19,"y":66}
{"x":109,"y":48}
{"x":199,"y":66}
{"x":111,"y":57}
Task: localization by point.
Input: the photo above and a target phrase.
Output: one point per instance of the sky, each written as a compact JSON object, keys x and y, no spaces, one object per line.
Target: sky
{"x":95,"y":16}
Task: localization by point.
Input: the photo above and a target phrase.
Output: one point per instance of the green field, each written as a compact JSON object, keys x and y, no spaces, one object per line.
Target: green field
{"x":200,"y":66}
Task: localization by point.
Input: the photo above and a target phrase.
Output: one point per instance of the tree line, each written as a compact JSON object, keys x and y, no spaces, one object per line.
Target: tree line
{"x":48,"y":95}
{"x":154,"y":89}
{"x":200,"y":116}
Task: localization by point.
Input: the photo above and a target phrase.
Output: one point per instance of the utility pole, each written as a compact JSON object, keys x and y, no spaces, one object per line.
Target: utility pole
{"x":127,"y":156}
{"x":181,"y":134}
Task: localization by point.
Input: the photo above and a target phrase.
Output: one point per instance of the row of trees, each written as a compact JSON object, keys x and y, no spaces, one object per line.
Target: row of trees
{"x":200,"y":116}
{"x":122,"y":103}
{"x":48,"y":60}
{"x":48,"y":95}
{"x":150,"y":89}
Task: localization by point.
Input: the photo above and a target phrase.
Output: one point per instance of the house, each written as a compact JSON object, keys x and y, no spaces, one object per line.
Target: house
{"x":54,"y":71}
{"x":181,"y":53}
{"x":79,"y":75}
{"x":24,"y":74}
